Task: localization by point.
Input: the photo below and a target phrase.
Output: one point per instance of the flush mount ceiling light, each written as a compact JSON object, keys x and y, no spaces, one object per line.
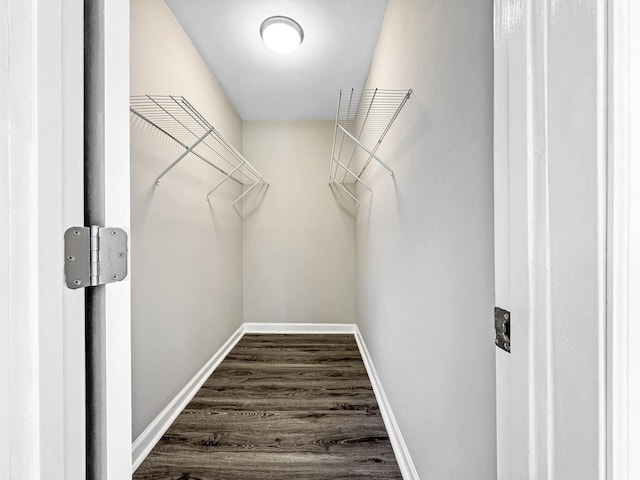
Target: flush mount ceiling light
{"x":281,"y":34}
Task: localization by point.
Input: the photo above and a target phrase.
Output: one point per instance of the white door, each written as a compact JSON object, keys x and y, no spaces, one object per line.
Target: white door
{"x":42,"y":322}
{"x":550,"y":231}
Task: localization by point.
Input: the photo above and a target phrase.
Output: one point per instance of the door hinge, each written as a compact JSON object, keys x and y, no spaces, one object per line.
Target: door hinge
{"x":94,"y":256}
{"x":502,"y":319}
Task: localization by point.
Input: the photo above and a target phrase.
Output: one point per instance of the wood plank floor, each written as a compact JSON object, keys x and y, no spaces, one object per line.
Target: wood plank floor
{"x":279,"y":407}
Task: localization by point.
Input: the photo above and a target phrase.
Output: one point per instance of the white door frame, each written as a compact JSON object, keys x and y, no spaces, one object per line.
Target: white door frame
{"x":623,"y":393}
{"x":41,"y":321}
{"x":550,"y":67}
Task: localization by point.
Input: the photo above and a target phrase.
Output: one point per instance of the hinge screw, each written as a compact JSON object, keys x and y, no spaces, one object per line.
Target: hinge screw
{"x":506,"y":316}
{"x":114,"y":277}
{"x":76,"y":232}
{"x":114,"y":232}
{"x":77,"y":282}
{"x":71,"y":258}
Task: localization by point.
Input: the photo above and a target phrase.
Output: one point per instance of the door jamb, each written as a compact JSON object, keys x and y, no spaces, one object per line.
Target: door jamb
{"x":623,"y":239}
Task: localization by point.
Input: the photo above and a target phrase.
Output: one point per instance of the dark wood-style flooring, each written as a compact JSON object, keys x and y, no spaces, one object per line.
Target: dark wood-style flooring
{"x":279,"y":407}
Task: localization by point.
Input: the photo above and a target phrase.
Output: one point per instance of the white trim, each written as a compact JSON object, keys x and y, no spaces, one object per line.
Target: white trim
{"x":623,"y":255}
{"x":403,"y":457}
{"x":309,"y":328}
{"x":617,"y":242}
{"x":114,"y":454}
{"x":41,"y":321}
{"x":153,"y":433}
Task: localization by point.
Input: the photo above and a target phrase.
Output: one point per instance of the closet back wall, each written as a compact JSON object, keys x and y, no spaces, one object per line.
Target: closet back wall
{"x":299,"y":245}
{"x":186,"y":254}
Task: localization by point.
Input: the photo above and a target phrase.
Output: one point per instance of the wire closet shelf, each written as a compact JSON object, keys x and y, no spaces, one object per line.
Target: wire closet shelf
{"x":363,"y":117}
{"x":178,"y":119}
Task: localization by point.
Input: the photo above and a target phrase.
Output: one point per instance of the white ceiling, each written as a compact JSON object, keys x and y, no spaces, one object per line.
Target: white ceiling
{"x":339,"y":39}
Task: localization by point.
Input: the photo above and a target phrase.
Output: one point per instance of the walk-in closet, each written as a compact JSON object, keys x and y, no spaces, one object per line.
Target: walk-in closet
{"x":311,"y":240}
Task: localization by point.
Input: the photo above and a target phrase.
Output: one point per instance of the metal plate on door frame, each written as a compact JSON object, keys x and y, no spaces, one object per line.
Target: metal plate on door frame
{"x":502,"y":319}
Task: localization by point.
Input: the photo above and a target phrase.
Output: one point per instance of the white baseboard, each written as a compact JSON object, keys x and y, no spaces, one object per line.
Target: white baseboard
{"x":403,"y":457}
{"x":309,"y":328}
{"x":153,"y":433}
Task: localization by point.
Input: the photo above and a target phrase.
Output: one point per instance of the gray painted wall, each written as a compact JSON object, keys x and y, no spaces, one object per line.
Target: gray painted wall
{"x":299,"y":243}
{"x":186,"y":255}
{"x":425,"y":240}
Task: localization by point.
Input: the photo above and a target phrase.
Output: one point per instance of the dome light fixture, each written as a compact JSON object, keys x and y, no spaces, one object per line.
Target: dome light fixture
{"x":281,"y":34}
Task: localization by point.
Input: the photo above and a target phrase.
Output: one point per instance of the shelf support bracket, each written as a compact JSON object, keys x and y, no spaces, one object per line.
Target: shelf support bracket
{"x":227,"y":177}
{"x":373,"y":155}
{"x":246,"y":192}
{"x":184,"y":154}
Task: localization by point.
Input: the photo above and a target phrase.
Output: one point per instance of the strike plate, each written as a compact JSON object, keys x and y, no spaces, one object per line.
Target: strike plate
{"x":503,"y":328}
